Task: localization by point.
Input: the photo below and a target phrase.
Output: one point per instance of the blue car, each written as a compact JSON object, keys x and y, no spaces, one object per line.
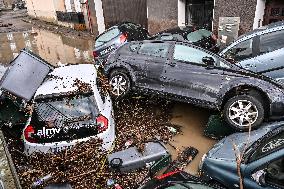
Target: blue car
{"x":263,"y":161}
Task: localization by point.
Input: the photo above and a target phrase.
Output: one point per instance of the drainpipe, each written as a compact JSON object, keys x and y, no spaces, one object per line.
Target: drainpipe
{"x":89,"y":18}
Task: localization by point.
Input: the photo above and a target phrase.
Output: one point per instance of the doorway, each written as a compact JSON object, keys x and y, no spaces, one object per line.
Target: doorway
{"x":199,"y":13}
{"x":274,"y":11}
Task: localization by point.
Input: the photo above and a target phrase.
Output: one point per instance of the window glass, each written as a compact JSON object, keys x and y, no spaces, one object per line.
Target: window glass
{"x":189,"y":54}
{"x":271,"y":42}
{"x":154,"y":49}
{"x":198,"y":35}
{"x":109,"y":35}
{"x":240,"y":51}
{"x":65,"y":108}
{"x":268,"y":146}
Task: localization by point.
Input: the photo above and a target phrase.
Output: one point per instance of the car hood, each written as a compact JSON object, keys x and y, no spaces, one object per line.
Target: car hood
{"x":223,"y":150}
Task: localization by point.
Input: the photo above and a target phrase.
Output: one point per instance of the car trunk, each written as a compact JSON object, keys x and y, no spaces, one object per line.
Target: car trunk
{"x":51,"y":122}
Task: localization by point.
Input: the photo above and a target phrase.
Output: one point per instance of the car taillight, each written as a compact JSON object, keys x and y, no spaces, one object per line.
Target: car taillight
{"x":95,"y":54}
{"x":167,"y":175}
{"x":28,"y":133}
{"x":123,"y":38}
{"x":214,"y":37}
{"x":102,"y":123}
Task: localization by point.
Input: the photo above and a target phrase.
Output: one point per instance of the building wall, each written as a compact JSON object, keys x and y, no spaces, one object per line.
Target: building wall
{"x":124,"y":10}
{"x":162,"y":14}
{"x":245,"y":9}
{"x":259,"y":13}
{"x":8,"y":3}
{"x":1,"y":3}
{"x":59,"y":5}
{"x":95,"y":19}
{"x":42,"y":9}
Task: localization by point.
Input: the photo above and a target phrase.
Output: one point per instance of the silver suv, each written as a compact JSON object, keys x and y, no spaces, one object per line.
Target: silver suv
{"x":261,"y":50}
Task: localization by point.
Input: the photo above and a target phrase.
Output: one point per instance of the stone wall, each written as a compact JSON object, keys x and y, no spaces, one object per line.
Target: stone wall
{"x":162,"y":14}
{"x":245,"y":9}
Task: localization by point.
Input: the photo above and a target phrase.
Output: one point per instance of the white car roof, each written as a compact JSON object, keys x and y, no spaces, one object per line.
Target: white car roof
{"x":62,"y":81}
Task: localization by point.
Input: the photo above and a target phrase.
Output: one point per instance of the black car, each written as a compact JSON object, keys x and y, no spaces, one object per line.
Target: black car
{"x":115,"y":36}
{"x":184,"y":72}
{"x":178,"y":180}
{"x":197,"y":36}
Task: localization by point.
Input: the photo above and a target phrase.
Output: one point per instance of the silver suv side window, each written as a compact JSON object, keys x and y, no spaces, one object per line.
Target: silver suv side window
{"x":241,"y":51}
{"x":271,"y":42}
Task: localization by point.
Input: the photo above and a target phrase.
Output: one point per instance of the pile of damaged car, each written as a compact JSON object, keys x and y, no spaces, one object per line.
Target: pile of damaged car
{"x":117,"y":123}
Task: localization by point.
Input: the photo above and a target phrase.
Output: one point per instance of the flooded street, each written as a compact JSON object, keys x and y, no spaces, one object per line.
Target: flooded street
{"x":57,"y":49}
{"x":54,"y":48}
{"x":193,"y":121}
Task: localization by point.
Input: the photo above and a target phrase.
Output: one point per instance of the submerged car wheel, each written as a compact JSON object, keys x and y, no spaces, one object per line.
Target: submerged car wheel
{"x":242,"y":111}
{"x":119,"y":83}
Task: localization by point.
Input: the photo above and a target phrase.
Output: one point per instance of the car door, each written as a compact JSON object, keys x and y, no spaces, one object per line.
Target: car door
{"x":271,"y":55}
{"x":188,"y":76}
{"x":155,"y":55}
{"x":269,"y":151}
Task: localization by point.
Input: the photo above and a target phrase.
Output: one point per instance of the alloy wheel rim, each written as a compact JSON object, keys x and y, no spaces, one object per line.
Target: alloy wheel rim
{"x":118,"y":85}
{"x":243,"y":113}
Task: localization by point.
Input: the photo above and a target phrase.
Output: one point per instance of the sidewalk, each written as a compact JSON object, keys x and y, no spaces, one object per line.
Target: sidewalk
{"x":7,"y":170}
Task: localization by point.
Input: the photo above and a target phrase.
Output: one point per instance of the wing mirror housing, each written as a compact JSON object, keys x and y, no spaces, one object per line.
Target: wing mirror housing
{"x":259,"y":177}
{"x":209,"y":61}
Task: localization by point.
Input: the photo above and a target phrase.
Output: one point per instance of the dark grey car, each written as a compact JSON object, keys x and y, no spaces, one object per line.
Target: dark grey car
{"x":261,"y":51}
{"x":263,"y":163}
{"x":116,"y":36}
{"x":184,"y":72}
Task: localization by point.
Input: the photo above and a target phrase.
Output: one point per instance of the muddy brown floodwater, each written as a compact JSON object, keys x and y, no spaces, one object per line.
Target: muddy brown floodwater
{"x":54,"y":48}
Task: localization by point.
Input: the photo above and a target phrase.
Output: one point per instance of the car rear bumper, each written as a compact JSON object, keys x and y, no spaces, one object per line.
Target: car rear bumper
{"x":107,"y":136}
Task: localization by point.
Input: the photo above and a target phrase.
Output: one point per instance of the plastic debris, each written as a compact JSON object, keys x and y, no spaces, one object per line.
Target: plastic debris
{"x":41,"y":181}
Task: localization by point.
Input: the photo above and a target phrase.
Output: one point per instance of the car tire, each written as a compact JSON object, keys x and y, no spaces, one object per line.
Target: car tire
{"x":239,"y":111}
{"x":120,"y":83}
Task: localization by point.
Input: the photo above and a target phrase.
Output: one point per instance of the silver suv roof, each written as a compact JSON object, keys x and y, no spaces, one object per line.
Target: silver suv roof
{"x":259,"y":31}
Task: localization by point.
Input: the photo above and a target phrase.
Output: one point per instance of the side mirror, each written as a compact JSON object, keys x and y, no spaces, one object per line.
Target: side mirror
{"x":209,"y":61}
{"x":259,"y":177}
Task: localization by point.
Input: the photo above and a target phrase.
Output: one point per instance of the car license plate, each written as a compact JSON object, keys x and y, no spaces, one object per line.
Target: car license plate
{"x":60,"y":148}
{"x":107,"y":50}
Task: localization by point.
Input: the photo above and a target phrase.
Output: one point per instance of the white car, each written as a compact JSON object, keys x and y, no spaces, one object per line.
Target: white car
{"x":64,"y":115}
{"x":68,"y":106}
